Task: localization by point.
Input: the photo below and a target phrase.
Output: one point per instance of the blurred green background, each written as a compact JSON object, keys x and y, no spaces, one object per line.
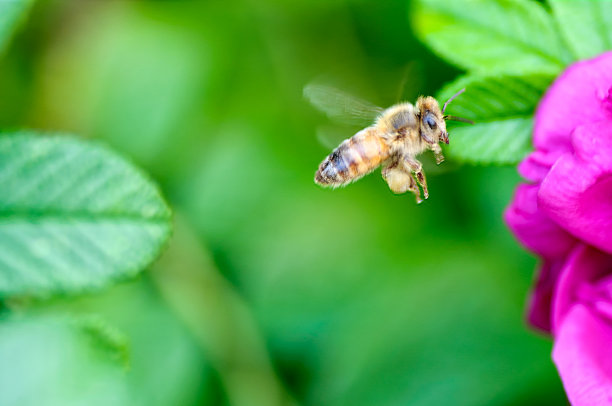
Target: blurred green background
{"x":273,"y":291}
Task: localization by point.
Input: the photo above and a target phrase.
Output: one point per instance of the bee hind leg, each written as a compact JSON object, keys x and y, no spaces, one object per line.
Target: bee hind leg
{"x":416,"y":169}
{"x":420,"y":184}
{"x":401,"y":181}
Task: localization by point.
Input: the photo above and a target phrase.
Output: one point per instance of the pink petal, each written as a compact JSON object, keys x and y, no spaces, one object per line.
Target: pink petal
{"x":539,"y":313}
{"x":583,"y":355}
{"x":533,"y":227}
{"x":537,"y":164}
{"x":592,"y":144}
{"x":579,"y":96}
{"x":577,"y":193}
{"x":584,"y":270}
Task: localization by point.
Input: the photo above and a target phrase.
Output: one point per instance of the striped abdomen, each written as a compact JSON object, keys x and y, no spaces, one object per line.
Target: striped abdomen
{"x":354,"y":158}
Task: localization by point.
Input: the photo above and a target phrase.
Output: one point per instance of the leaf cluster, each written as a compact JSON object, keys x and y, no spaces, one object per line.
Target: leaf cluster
{"x":512,"y":50}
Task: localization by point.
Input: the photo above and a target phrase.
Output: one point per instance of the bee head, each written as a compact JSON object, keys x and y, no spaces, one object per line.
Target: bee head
{"x":432,"y":124}
{"x":433,"y":120}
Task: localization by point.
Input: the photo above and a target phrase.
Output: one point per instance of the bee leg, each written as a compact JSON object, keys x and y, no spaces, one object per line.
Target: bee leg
{"x":421,"y":181}
{"x":417,"y":192}
{"x":401,"y":181}
{"x":437,"y":150}
{"x":397,"y":178}
{"x":416,"y":169}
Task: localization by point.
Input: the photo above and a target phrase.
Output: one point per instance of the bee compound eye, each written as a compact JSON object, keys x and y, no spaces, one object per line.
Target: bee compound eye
{"x":430,"y":121}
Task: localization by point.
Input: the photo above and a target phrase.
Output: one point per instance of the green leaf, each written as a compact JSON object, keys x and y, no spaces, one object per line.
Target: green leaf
{"x":105,"y":337}
{"x":166,"y":367}
{"x":513,"y":36}
{"x":51,"y":361}
{"x":489,"y":98}
{"x":502,"y":107}
{"x":11,"y":14}
{"x":496,"y":142}
{"x":73,"y":216}
{"x":585,"y":25}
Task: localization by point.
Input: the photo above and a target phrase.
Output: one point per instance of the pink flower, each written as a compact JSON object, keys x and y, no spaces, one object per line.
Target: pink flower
{"x":544,"y":237}
{"x":583,"y":326}
{"x":565,"y":217}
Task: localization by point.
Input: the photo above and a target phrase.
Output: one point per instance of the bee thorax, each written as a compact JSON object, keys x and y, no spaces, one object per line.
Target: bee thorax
{"x":398,"y":117}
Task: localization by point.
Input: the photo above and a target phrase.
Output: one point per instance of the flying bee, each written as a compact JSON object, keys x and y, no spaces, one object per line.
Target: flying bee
{"x":398,"y":135}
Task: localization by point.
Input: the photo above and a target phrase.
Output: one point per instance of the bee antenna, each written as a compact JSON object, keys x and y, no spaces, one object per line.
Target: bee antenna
{"x":452,"y":98}
{"x":461,"y":119}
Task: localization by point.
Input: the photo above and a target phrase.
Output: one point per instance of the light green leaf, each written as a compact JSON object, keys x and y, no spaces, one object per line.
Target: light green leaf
{"x":496,"y":142}
{"x":502,"y":108}
{"x":489,"y":98}
{"x":166,"y":367}
{"x":73,"y":216}
{"x":49,"y":360}
{"x":105,"y":337}
{"x":514,"y":36}
{"x":585,"y":25}
{"x":11,"y":14}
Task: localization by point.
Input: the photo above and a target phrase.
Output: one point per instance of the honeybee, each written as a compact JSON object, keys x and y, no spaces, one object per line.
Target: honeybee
{"x":398,"y":135}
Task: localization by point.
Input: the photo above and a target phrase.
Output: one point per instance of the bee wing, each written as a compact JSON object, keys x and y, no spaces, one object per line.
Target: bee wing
{"x":330,"y":136}
{"x":341,"y":106}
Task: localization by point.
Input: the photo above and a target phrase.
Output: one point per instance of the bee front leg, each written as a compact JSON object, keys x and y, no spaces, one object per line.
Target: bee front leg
{"x":437,"y":150}
{"x":416,"y":168}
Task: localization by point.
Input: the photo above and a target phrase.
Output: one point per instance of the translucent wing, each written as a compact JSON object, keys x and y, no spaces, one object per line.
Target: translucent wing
{"x":330,"y":136}
{"x":341,"y":106}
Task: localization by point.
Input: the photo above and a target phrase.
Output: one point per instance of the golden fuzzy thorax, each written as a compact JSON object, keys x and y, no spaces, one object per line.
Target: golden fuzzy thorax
{"x":399,"y":135}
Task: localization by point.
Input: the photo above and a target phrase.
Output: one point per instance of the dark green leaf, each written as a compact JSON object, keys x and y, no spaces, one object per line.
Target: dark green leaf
{"x":514,"y":36}
{"x":73,"y":216}
{"x":502,"y":108}
{"x":585,"y":25}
